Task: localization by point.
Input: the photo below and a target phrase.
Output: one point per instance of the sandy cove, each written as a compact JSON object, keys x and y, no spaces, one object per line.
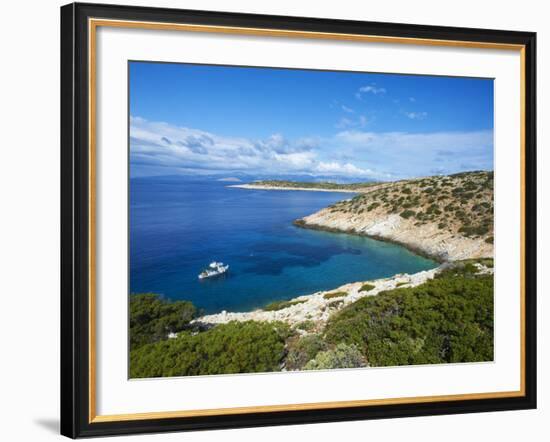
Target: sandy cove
{"x":318,"y":309}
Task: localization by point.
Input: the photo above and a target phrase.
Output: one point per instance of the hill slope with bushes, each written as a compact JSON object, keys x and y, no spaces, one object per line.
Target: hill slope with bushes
{"x":446,"y":217}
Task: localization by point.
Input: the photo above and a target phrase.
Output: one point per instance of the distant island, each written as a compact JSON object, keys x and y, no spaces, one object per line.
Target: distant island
{"x":323,"y":186}
{"x":229,"y":179}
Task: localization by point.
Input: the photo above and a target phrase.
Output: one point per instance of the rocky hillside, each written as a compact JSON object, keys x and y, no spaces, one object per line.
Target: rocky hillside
{"x":446,"y":217}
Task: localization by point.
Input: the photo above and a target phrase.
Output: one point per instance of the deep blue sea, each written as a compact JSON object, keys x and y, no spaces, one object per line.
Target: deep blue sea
{"x":177,"y":227}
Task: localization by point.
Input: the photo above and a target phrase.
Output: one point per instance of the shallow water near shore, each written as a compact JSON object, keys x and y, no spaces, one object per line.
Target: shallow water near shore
{"x":178,"y":226}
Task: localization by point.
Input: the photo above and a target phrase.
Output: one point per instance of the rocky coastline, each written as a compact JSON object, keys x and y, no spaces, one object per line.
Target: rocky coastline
{"x":427,"y":240}
{"x":319,"y":306}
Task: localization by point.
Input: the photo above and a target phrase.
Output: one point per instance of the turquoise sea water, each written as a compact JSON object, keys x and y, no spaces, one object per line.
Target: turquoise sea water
{"x":178,"y":226}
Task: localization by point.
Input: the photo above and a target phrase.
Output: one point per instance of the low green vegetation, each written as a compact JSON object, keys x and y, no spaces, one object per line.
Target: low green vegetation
{"x":302,"y":350}
{"x":341,"y":356}
{"x":373,"y":206}
{"x":279,"y":305}
{"x":334,"y":295}
{"x":448,"y":319}
{"x":236,"y":347}
{"x":367,"y":287}
{"x":487,"y":262}
{"x":153,"y":319}
{"x":306,"y":325}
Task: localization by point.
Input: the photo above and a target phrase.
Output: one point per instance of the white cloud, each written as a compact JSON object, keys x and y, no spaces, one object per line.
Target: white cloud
{"x":348,"y":169}
{"x":370,"y":89}
{"x":429,"y":140}
{"x":172,"y":149}
{"x":164,"y":149}
{"x":416,"y":115}
{"x":345,"y":123}
{"x":418,"y":154}
{"x":348,"y":110}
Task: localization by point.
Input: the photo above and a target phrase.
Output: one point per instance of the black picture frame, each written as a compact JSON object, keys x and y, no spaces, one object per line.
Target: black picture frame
{"x":75,"y":220}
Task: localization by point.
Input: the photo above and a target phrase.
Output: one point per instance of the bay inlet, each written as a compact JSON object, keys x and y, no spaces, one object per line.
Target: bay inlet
{"x":178,"y":226}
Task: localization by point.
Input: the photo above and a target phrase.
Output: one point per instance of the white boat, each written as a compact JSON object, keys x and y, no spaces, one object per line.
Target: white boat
{"x":214,"y":269}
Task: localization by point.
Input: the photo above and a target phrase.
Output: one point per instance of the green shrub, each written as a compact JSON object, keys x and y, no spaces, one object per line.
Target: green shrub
{"x":487,"y":262}
{"x":407,"y":213}
{"x":307,"y":325}
{"x":342,"y":356}
{"x":367,"y":287}
{"x":302,"y":350}
{"x":474,"y":230}
{"x":279,"y":305}
{"x":236,"y":347}
{"x":448,"y":319}
{"x":153,"y":318}
{"x":464,"y":269}
{"x":335,"y":295}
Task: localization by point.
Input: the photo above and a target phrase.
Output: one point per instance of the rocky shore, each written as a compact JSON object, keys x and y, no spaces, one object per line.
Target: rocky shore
{"x":426,"y":239}
{"x":319,"y":306}
{"x":448,"y":218}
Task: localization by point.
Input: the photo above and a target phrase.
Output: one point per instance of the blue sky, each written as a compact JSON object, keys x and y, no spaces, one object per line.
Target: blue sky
{"x":215,"y":120}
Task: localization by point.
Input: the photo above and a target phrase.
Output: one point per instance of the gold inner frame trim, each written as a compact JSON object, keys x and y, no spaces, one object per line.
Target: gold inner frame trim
{"x":93,"y":24}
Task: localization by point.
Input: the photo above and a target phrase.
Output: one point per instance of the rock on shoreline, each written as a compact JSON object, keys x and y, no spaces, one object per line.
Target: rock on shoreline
{"x":318,"y":308}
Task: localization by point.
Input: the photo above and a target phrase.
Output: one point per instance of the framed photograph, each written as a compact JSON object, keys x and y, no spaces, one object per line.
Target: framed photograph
{"x":274,"y":220}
